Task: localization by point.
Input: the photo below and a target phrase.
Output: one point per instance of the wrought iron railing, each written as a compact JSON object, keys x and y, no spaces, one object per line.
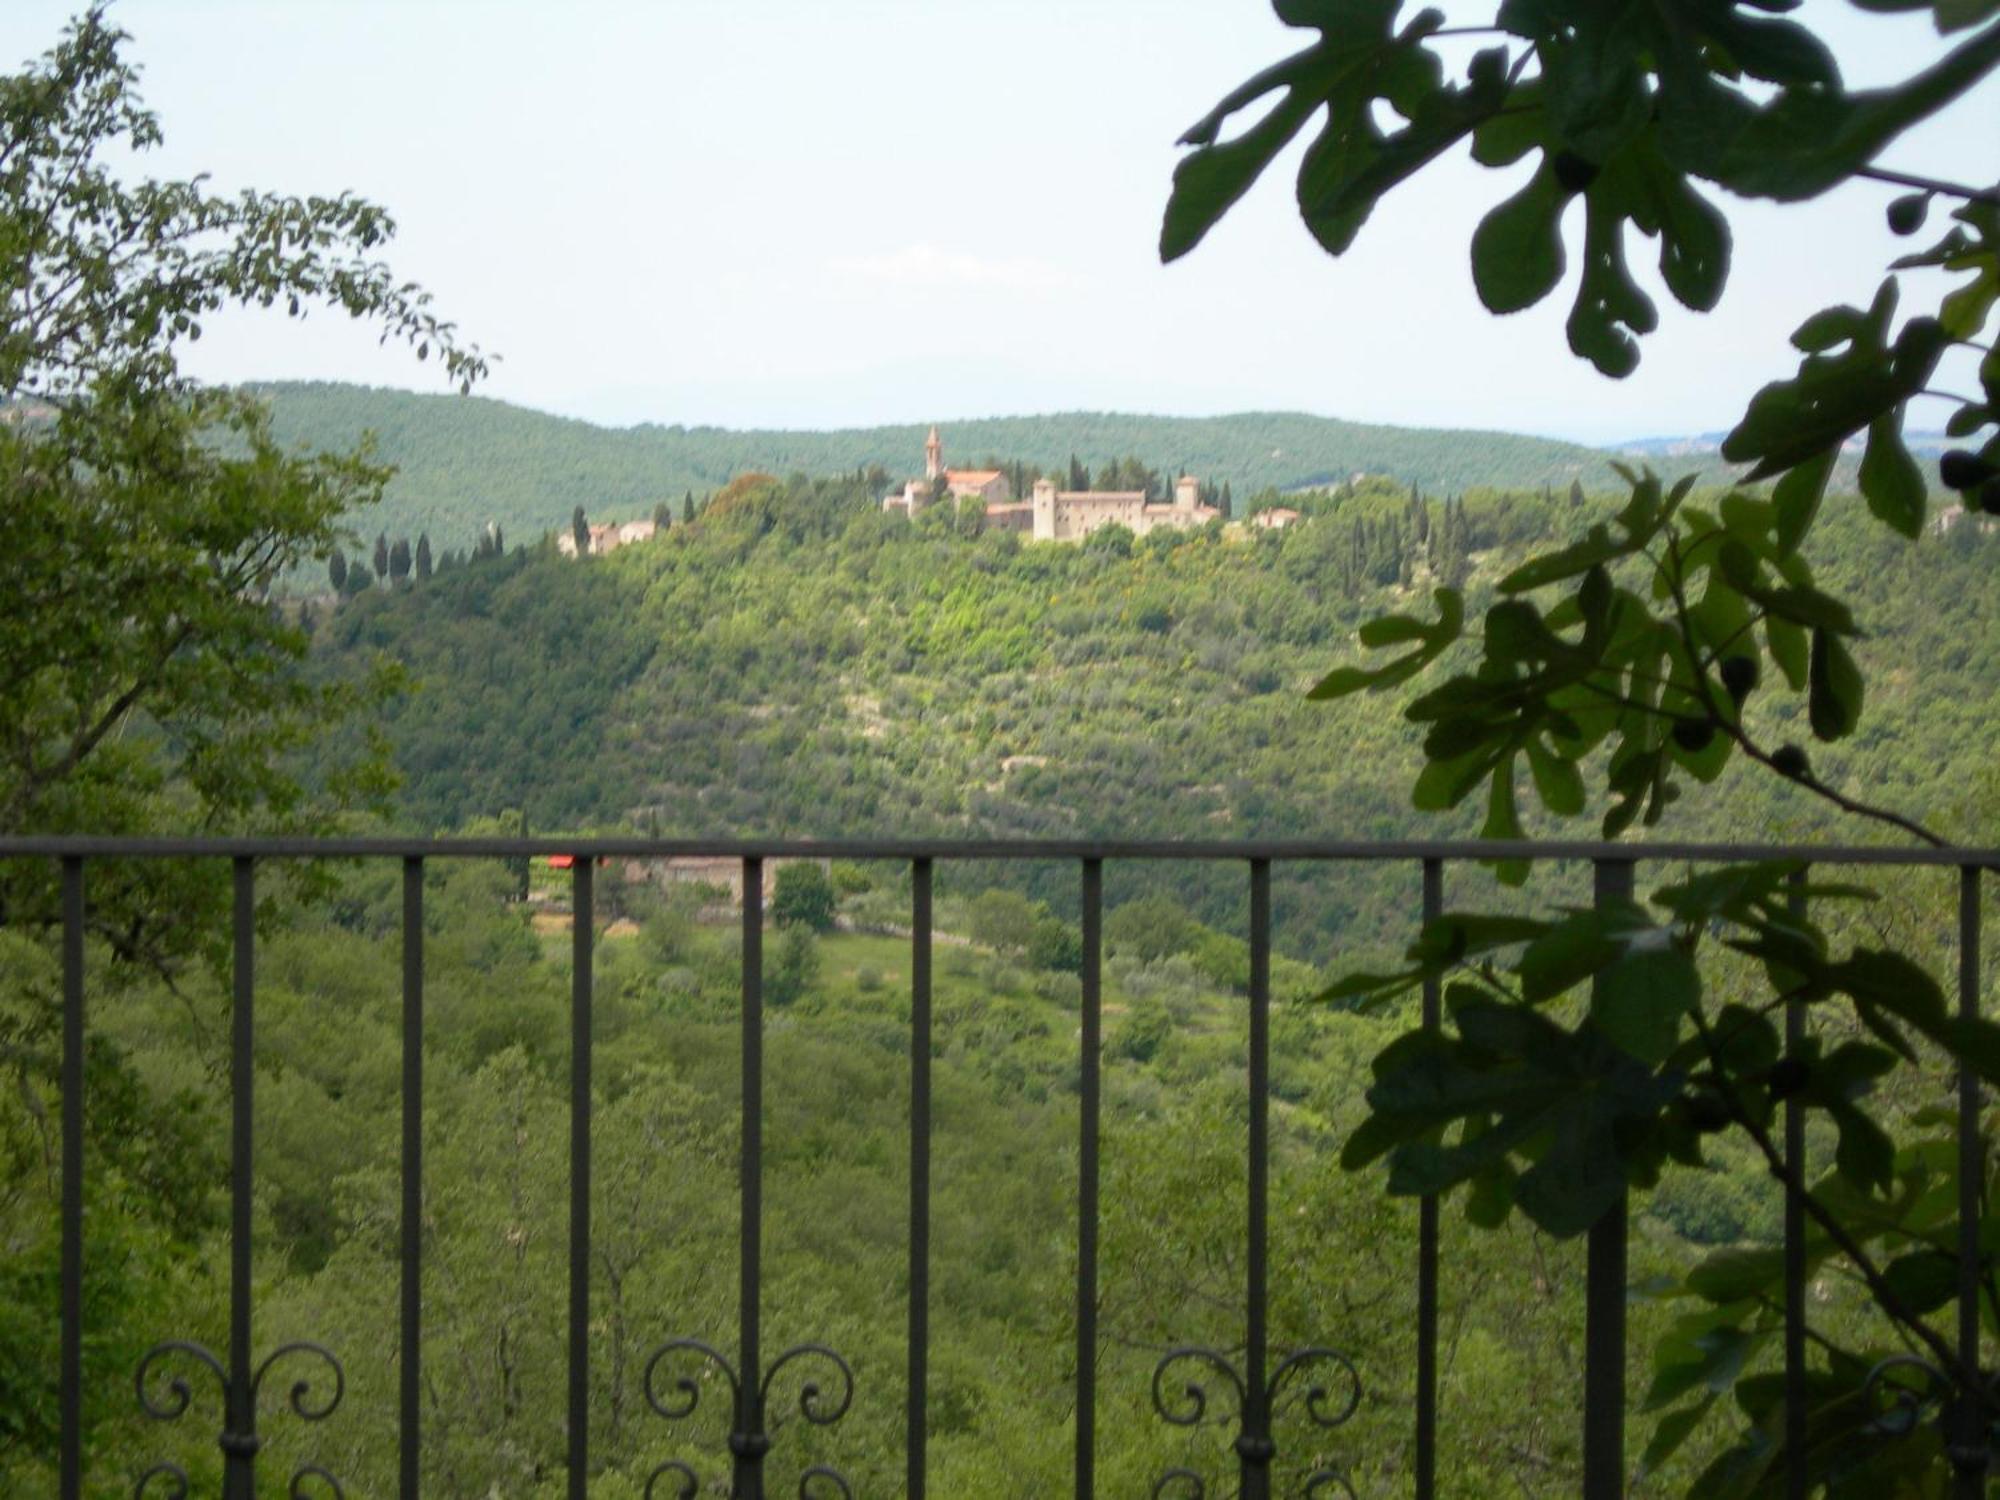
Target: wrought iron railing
{"x":1188,"y":1381}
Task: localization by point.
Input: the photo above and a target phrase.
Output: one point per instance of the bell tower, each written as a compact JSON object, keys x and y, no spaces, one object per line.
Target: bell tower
{"x":933,"y":455}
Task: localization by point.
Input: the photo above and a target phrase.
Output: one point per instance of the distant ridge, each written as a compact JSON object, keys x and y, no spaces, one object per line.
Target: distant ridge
{"x":463,"y":461}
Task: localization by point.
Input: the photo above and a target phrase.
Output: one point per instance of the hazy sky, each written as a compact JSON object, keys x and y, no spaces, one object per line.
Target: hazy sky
{"x":796,"y":212}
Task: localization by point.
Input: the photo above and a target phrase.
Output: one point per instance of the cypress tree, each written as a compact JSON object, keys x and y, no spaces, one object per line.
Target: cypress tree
{"x":336,"y":570}
{"x":382,"y":555}
{"x":424,"y":561}
{"x":399,"y":560}
{"x":580,"y":529}
{"x":687,"y":507}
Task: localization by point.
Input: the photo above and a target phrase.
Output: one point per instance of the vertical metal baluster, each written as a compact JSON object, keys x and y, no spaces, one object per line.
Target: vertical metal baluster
{"x":1427,"y":1242}
{"x":749,"y":1441}
{"x":582,"y":920}
{"x":1795,"y":1242}
{"x":239,"y":1432}
{"x":1088,"y":1109}
{"x":1971,"y":1455}
{"x":920,"y":1174}
{"x":411,"y":1350}
{"x":71,"y":1376}
{"x":1254,"y":1448}
{"x":1604,"y":1301}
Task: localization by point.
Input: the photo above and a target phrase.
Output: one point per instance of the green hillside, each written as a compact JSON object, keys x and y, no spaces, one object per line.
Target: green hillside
{"x":464,"y":461}
{"x":797,"y":663}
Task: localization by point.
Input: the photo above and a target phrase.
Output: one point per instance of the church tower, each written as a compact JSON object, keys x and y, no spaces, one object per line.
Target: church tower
{"x":933,"y":455}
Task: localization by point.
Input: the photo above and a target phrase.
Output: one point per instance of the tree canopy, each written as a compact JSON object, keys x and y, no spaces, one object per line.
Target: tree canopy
{"x":1631,"y":655}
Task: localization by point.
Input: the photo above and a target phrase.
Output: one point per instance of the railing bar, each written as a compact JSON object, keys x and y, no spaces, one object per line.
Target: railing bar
{"x":1253,"y":1445}
{"x":749,"y":1414}
{"x":239,"y":1432}
{"x":1292,"y":850}
{"x":411,"y":1343}
{"x":1604,"y":1300}
{"x":1970,"y":1440}
{"x":1795,"y":1240}
{"x":920,"y":1176}
{"x":1427,"y":1242}
{"x":582,"y":923}
{"x":71,"y":1374}
{"x":1089,"y":1107}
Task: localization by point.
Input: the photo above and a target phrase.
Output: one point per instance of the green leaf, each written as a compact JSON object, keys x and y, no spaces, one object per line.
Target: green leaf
{"x":1610,"y":309}
{"x":1208,"y":182}
{"x":1640,"y":1001}
{"x":1710,"y":1360}
{"x":1797,"y":497}
{"x":1924,"y":1279}
{"x":1517,"y":250}
{"x":1503,"y":821}
{"x":1738,"y":1275}
{"x":1669,"y":1433}
{"x":1558,"y":782}
{"x":1789,"y":648}
{"x":1552,"y":567}
{"x":1808,"y":140}
{"x":1890,"y":479}
{"x":1575,"y":949}
{"x":1836,"y":690}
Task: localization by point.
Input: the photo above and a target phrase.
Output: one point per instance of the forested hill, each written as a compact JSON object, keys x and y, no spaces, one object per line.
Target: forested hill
{"x":797,"y":663}
{"x":464,"y":461}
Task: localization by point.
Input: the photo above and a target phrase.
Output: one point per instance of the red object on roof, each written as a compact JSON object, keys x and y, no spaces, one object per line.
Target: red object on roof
{"x":561,"y":861}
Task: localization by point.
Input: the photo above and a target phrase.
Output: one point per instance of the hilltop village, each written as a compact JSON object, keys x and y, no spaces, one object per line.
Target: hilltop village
{"x":1050,"y":514}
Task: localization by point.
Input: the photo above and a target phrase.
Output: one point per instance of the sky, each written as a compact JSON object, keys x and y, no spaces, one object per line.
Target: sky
{"x":757,"y":213}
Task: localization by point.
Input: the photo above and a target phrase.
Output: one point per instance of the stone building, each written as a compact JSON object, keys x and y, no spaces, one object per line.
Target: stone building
{"x":1053,"y":515}
{"x":607,"y":538}
{"x":987,"y":485}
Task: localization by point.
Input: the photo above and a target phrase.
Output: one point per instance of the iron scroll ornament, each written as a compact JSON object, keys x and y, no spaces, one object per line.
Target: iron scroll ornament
{"x":1905,"y":1391}
{"x":1188,"y":1407}
{"x":309,"y":1481}
{"x":750,"y":1441}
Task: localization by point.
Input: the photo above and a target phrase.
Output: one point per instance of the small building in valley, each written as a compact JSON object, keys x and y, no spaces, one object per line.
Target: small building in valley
{"x":607,"y":538}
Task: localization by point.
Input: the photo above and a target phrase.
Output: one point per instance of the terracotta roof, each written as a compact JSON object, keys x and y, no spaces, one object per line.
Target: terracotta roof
{"x":971,"y":476}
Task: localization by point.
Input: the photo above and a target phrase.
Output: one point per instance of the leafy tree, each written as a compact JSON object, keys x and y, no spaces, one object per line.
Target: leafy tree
{"x":1149,"y":929}
{"x":803,"y":897}
{"x":1002,"y":920}
{"x":794,"y":967}
{"x":151,"y":684}
{"x":1056,"y":945}
{"x":1647,"y":638}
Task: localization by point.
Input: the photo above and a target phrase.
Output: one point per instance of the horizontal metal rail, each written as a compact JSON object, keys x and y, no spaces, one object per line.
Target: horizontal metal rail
{"x":1248,"y":1386}
{"x":1278,"y":851}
